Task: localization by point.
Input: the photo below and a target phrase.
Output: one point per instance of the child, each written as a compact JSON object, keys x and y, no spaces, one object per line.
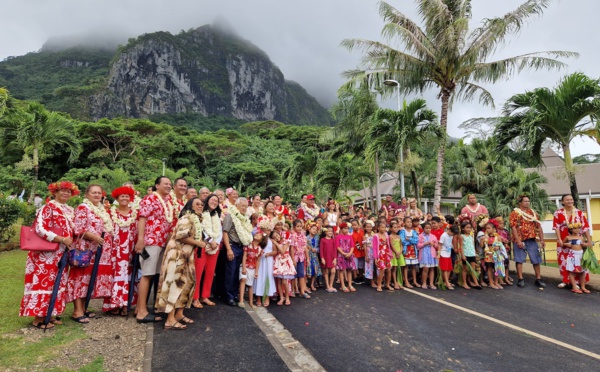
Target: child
{"x":492,"y":248}
{"x":313,"y":268}
{"x":344,"y":244}
{"x":298,"y":245}
{"x":445,"y":254}
{"x":368,"y":247}
{"x":283,"y":267}
{"x":437,"y":227}
{"x":382,"y":252}
{"x":328,"y":258}
{"x":467,"y":252}
{"x":505,"y":238}
{"x":410,"y":238}
{"x":358,"y":235}
{"x":427,"y":245}
{"x":574,"y":243}
{"x":265,"y":284}
{"x":397,"y":257}
{"x":250,"y":266}
{"x":416,"y":225}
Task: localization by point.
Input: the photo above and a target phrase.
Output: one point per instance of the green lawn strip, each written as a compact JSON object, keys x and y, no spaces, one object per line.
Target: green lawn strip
{"x":15,"y":349}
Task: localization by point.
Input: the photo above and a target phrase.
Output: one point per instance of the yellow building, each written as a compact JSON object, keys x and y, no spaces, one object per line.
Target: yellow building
{"x":589,"y":194}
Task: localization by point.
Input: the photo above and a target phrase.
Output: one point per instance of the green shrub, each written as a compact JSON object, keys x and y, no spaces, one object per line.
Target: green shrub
{"x":28,"y":212}
{"x":10,"y":211}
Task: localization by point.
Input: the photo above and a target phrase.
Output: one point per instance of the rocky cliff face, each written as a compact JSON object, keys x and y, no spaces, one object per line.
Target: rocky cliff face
{"x":204,"y":71}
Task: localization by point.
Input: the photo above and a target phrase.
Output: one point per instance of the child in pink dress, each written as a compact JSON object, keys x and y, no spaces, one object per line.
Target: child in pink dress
{"x":328,"y":258}
{"x":344,"y":245}
{"x":283,"y":267}
{"x":382,"y":251}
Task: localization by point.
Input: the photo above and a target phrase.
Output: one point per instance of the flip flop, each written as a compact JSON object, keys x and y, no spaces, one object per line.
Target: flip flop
{"x":149,"y":318}
{"x":197,"y":305}
{"x":176,"y":327}
{"x":586,"y":291}
{"x":81,"y":319}
{"x":90,"y":314}
{"x":42,"y":325}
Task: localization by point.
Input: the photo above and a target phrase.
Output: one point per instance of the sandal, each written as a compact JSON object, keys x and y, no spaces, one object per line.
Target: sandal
{"x":56,"y":321}
{"x":379,"y":290}
{"x":175,"y":326}
{"x":306,"y":296}
{"x":82,"y":319}
{"x":197,"y":304}
{"x":352,"y":289}
{"x":578,"y":291}
{"x":185,"y":320}
{"x":149,"y":318}
{"x":279,"y":303}
{"x":287,"y":303}
{"x":586,"y":291}
{"x":266,"y":303}
{"x":42,"y":325}
{"x":207,"y":302}
{"x":345,"y":290}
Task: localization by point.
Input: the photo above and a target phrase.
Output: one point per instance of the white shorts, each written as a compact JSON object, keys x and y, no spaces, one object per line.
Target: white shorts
{"x":151,"y":265}
{"x":249,"y":276}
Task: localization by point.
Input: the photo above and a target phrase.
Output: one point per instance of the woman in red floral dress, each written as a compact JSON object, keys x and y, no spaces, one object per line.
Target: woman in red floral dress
{"x":41,"y":267}
{"x":564,"y":216}
{"x":91,"y":222}
{"x":124,"y":220}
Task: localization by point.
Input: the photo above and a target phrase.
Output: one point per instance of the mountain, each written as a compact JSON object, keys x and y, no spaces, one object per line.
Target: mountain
{"x":205,"y":71}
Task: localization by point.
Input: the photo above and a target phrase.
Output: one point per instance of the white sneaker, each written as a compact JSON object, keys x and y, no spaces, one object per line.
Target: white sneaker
{"x":562,"y":285}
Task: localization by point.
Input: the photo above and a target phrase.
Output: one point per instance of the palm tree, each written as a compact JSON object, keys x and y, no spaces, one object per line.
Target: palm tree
{"x":446,"y":56}
{"x":354,"y":113}
{"x":302,"y":165}
{"x":394,"y":131}
{"x":341,"y":174}
{"x":38,"y":130}
{"x":571,"y":110}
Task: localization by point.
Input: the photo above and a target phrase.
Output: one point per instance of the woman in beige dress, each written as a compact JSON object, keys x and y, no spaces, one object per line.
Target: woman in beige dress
{"x":178,"y":271}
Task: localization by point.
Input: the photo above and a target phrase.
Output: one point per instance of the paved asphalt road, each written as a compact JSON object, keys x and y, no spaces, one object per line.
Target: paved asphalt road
{"x":399,"y":331}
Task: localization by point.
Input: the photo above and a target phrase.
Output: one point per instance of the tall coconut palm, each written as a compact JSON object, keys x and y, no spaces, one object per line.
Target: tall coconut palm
{"x":446,"y":56}
{"x":38,"y":131}
{"x":560,"y":115}
{"x":341,"y":174}
{"x":394,"y":131}
{"x":303,"y":165}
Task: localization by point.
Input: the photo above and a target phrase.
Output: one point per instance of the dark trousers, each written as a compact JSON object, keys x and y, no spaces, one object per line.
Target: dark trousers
{"x":232,"y":268}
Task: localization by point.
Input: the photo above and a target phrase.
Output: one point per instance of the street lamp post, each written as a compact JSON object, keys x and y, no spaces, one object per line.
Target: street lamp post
{"x":394,"y":83}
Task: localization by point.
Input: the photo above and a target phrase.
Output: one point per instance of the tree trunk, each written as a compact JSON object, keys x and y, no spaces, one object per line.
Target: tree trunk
{"x":439,"y":174}
{"x":36,"y":170}
{"x":377,"y":192}
{"x":371,"y":202}
{"x":571,"y":174}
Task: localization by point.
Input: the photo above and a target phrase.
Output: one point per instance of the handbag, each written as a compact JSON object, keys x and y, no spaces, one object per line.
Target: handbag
{"x":31,"y":241}
{"x":78,"y":258}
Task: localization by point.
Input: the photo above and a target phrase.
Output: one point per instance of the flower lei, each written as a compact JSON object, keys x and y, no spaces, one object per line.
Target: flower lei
{"x":197,"y":225}
{"x":526,"y":216}
{"x":176,"y":206}
{"x":168,"y":212}
{"x":242,"y":224}
{"x":311,"y":212}
{"x":120,"y":222}
{"x":211,"y":225}
{"x":471,"y":210}
{"x":102,"y":214}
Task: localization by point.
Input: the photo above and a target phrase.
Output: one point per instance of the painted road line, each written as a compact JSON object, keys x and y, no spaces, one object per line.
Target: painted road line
{"x":508,"y":325}
{"x":293,"y":353}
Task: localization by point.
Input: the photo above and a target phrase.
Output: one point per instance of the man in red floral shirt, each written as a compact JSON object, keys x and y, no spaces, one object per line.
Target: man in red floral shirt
{"x":154,"y":227}
{"x":526,"y":226}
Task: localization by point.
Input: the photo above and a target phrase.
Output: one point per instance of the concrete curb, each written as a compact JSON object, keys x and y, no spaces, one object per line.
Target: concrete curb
{"x":296,"y":357}
{"x":148,"y":348}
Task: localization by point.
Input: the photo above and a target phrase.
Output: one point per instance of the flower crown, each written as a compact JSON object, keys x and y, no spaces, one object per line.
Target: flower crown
{"x":482,"y":219}
{"x":575,"y":225}
{"x":63,"y":185}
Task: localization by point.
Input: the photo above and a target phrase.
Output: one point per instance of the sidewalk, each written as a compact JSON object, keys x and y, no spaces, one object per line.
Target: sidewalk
{"x":552,"y":275}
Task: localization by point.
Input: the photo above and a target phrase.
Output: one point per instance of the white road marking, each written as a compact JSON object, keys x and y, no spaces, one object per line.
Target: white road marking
{"x":508,"y":325}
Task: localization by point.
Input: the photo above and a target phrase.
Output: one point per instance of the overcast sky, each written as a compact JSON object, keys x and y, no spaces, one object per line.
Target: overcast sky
{"x":303,"y":37}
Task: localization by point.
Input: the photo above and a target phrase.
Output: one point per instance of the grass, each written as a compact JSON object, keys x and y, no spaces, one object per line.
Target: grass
{"x":16,"y":349}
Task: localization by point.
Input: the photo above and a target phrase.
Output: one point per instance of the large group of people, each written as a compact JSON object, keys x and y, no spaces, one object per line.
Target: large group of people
{"x":197,"y":246}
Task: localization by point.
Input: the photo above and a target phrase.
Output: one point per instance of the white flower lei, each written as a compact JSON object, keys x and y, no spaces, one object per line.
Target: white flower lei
{"x":175,"y":203}
{"x":471,"y":210}
{"x":102,"y":214}
{"x":526,"y":216}
{"x":169,"y":211}
{"x":211,"y":225}
{"x":242,"y":224}
{"x":312,"y":212}
{"x":120,"y":222}
{"x":197,"y":225}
